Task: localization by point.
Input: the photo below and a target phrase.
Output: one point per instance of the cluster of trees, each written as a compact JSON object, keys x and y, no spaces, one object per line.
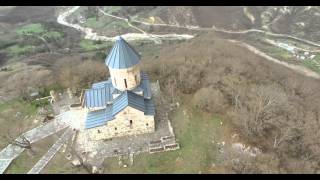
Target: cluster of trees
{"x":68,"y":72}
{"x":272,"y":107}
{"x":77,"y":74}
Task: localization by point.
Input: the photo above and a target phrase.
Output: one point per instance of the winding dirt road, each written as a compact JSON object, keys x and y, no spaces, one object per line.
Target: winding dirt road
{"x":300,"y":69}
{"x":89,"y":34}
{"x":157,"y":38}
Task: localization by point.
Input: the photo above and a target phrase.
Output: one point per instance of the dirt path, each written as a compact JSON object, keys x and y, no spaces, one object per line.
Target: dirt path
{"x":267,"y":33}
{"x":47,"y":129}
{"x":300,"y":69}
{"x":89,"y":34}
{"x":145,"y":36}
{"x":8,"y":154}
{"x":36,"y":169}
{"x":231,"y":32}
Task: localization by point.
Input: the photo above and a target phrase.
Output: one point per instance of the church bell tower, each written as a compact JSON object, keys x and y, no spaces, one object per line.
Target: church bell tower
{"x":123,"y":64}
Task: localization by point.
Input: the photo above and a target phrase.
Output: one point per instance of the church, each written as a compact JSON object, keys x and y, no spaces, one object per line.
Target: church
{"x":123,"y":104}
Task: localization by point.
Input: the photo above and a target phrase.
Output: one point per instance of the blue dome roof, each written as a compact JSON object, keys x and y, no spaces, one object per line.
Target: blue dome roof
{"x":122,"y":55}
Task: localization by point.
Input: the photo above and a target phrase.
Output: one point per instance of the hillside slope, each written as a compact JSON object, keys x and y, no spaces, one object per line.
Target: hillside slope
{"x":272,"y":107}
{"x":300,"y":21}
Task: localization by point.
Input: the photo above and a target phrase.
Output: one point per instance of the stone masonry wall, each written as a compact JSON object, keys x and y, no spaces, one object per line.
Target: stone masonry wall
{"x":121,"y":125}
{"x":131,"y":75}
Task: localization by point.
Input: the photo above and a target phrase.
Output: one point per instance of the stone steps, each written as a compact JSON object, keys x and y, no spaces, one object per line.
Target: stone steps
{"x":166,"y":143}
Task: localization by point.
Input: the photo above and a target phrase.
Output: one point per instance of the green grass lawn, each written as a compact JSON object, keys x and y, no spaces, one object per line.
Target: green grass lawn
{"x":89,"y":45}
{"x":15,"y":114}
{"x":60,"y":165}
{"x":271,"y":50}
{"x":17,"y":50}
{"x":52,"y":35}
{"x":16,"y":104}
{"x":105,"y":23}
{"x":93,"y":23}
{"x":109,"y":26}
{"x":194,"y":134}
{"x":36,"y":28}
{"x":112,"y":9}
{"x":312,"y":64}
{"x":18,"y":46}
{"x":23,"y":163}
{"x":195,"y":131}
{"x":279,"y":53}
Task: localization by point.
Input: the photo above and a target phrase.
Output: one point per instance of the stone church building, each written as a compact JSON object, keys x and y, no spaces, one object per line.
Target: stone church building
{"x":122,"y":105}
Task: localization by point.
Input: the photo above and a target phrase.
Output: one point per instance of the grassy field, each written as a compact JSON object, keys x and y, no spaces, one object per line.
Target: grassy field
{"x":20,"y":46}
{"x":27,"y":159}
{"x":52,"y":35}
{"x":112,"y":9}
{"x":195,"y":131}
{"x":17,"y":50}
{"x":109,"y":26}
{"x":280,"y":53}
{"x":15,"y":116}
{"x":36,"y":28}
{"x":313,"y":64}
{"x":283,"y":55}
{"x":93,"y":23}
{"x":89,"y":45}
{"x":60,"y":165}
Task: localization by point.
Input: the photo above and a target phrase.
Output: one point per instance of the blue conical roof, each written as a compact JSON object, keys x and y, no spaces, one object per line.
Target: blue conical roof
{"x":122,"y":55}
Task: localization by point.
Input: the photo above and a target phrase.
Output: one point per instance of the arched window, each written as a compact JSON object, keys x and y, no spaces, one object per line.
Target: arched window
{"x":125,"y":83}
{"x":136,"y":78}
{"x":99,"y":131}
{"x":115,"y":128}
{"x":130,"y":123}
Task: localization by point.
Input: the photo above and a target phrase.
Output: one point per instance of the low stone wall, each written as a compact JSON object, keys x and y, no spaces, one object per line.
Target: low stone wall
{"x":75,"y":107}
{"x":167,"y":143}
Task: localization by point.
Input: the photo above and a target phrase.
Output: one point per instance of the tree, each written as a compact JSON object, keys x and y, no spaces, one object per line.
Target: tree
{"x":76,"y":74}
{"x":261,"y":110}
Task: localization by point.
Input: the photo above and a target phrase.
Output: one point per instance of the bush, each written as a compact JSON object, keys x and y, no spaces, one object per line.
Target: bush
{"x":210,"y":100}
{"x":40,"y":103}
{"x":45,"y":91}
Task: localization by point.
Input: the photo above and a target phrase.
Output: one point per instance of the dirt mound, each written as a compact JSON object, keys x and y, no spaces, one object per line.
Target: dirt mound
{"x":22,"y":14}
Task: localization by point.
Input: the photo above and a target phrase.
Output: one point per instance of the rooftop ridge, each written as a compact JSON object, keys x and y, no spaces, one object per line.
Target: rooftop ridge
{"x":122,"y":55}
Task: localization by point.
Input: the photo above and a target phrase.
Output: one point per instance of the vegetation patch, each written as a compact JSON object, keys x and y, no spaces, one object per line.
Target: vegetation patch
{"x":52,"y":35}
{"x":195,"y":131}
{"x":16,"y":50}
{"x":112,"y":9}
{"x":17,"y":115}
{"x":313,"y":64}
{"x":109,"y":26}
{"x":60,"y":165}
{"x":36,"y":28}
{"x":29,"y":158}
{"x":89,"y":45}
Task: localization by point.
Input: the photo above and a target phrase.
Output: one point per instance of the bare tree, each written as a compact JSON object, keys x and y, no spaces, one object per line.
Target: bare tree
{"x":77,"y":74}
